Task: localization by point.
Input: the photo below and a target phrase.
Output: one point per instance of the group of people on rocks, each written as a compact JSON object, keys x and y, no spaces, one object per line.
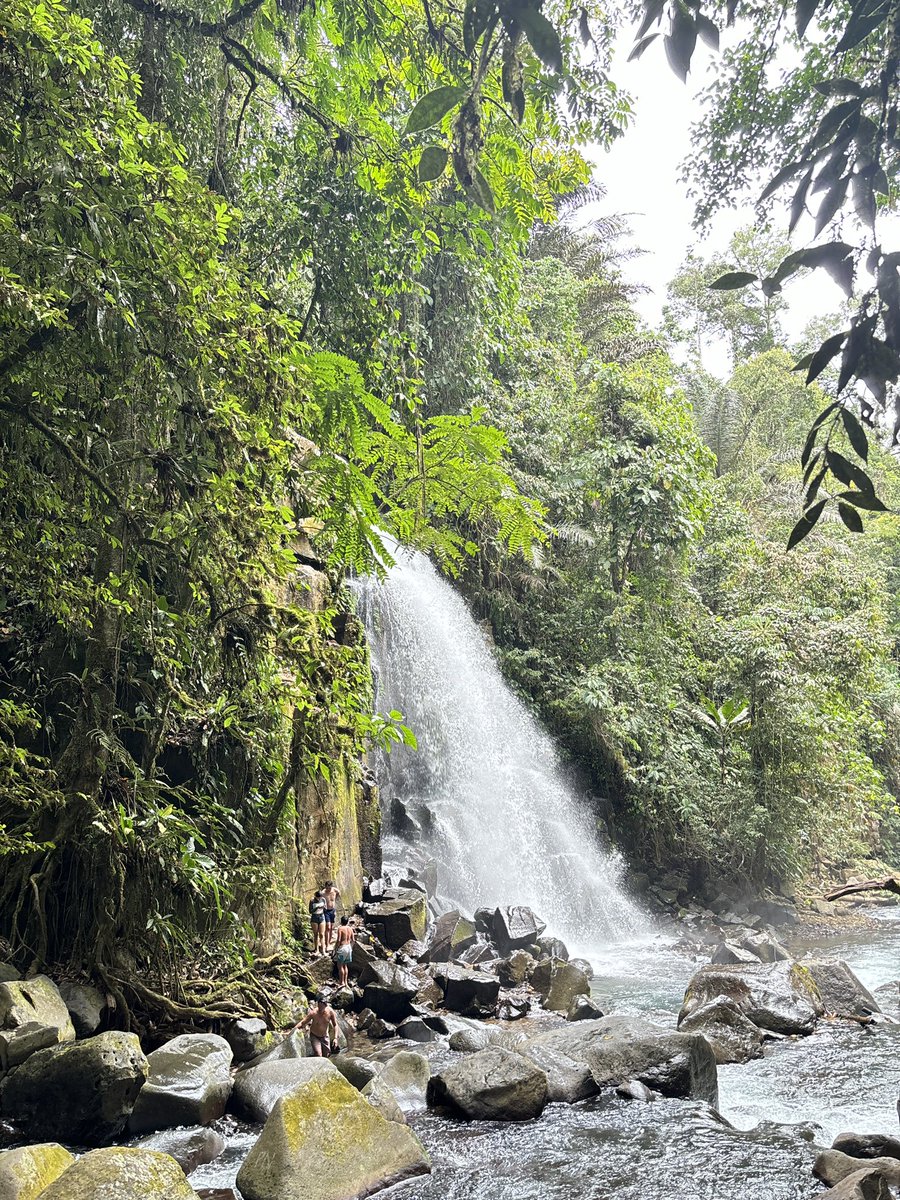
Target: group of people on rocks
{"x":327,"y":934}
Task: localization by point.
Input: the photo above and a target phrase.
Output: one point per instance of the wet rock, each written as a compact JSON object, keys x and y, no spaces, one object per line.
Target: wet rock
{"x":484,"y":920}
{"x":362,"y":955}
{"x":218,"y":1194}
{"x":765,"y":948}
{"x":401,"y":915}
{"x":842,"y":993}
{"x":258,"y":1089}
{"x":121,"y":1173}
{"x":321,"y":970}
{"x":635,"y":1090}
{"x":832,"y":1166}
{"x":867,"y":1145}
{"x":27,"y":1171}
{"x":491,"y":1085}
{"x":780,"y":996}
{"x":33,"y":1016}
{"x":86,"y":1005}
{"x":328,"y":1133}
{"x":364,"y":1019}
{"x":190,"y":1148}
{"x":189,"y":1083}
{"x":383,"y":1099}
{"x":467,"y":1041}
{"x":480,"y":952}
{"x":513,"y":1004}
{"x":380,"y":1029}
{"x":357,"y":1071}
{"x":388,"y":990}
{"x":407,"y":1075}
{"x":515,"y":970}
{"x":558,"y":983}
{"x":374,"y":889}
{"x":414,"y":950}
{"x":429,"y":996}
{"x":293,"y":1046}
{"x":675,"y":1064}
{"x":866,"y":1184}
{"x":9,"y":973}
{"x":583,"y":965}
{"x":342,"y":998}
{"x":733,"y":1037}
{"x":552,"y":947}
{"x":515,"y":927}
{"x":473,"y":993}
{"x":81,"y":1093}
{"x":583,"y":1008}
{"x":248,"y":1038}
{"x":453,"y":933}
{"x":730,"y":954}
{"x":414,"y":1029}
{"x":567,"y":1079}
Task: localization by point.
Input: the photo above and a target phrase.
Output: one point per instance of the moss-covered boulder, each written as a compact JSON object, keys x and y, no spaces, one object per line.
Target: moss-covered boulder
{"x":189,"y":1083}
{"x":559,"y":982}
{"x":780,"y":996}
{"x":382,"y":1098}
{"x":122,"y":1173}
{"x":258,"y":1089}
{"x":27,"y":1171}
{"x":80,"y":1093}
{"x":326,"y":1142}
{"x":33,"y":1016}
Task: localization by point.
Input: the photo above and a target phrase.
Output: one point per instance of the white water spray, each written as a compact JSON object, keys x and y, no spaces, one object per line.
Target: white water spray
{"x":497,"y":814}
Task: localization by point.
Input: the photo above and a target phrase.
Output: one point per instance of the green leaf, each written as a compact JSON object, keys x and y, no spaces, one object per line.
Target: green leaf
{"x":850,"y":517}
{"x":865,"y":18}
{"x":805,"y":11}
{"x":480,"y":192}
{"x":432,"y":163}
{"x":434,"y":107}
{"x":864,"y":500}
{"x":475,"y":20}
{"x":856,"y":434}
{"x":733,"y":279}
{"x":680,"y":42}
{"x":543,"y":38}
{"x":823,"y":356}
{"x":806,"y":524}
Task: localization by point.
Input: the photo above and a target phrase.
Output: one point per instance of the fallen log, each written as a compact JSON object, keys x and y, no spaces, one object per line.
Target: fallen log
{"x":889,"y":884}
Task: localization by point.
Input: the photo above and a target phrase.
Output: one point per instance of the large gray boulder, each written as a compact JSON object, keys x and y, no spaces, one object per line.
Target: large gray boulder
{"x":327,"y":1142}
{"x":552,"y":947}
{"x":389,"y":990}
{"x":189,"y":1083}
{"x":867,"y":1145}
{"x":842,"y":993}
{"x":568,"y":1079}
{"x":515,"y":970}
{"x":831,"y":1166}
{"x":249,"y":1037}
{"x":384,"y":1100}
{"x":81,"y":1093}
{"x":781,"y":996}
{"x":190,"y":1148}
{"x":258,"y":1089}
{"x":515,"y":927}
{"x":407,"y":1075}
{"x":865,"y":1184}
{"x":675,"y":1064}
{"x":33,"y":1016}
{"x":86,"y":1005}
{"x":470,"y":992}
{"x":356,"y":1070}
{"x":452,"y":934}
{"x":400,"y":916}
{"x":121,"y":1173}
{"x":27,"y":1171}
{"x":583,"y":1008}
{"x":558,"y":983}
{"x":492,"y":1085}
{"x":733,"y":1037}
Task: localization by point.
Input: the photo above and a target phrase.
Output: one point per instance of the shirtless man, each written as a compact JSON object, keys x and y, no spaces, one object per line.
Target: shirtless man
{"x":344,"y":954}
{"x":331,"y":896}
{"x":320,"y":1020}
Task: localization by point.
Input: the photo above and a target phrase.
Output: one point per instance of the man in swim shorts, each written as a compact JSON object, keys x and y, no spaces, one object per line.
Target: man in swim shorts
{"x":331,"y":896}
{"x":344,"y":953}
{"x":321,"y":1020}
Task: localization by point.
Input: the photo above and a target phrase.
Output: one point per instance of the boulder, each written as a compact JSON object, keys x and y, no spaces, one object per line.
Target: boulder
{"x":384,"y":1100}
{"x":729,"y":954}
{"x":401,"y":915}
{"x":292,"y":1046}
{"x":190,"y":1148}
{"x":327,"y":1142}
{"x":479,"y":952}
{"x":515,"y":927}
{"x":407,"y":1075}
{"x":27,"y":1171}
{"x":832,"y":1166}
{"x":567,"y":1079}
{"x":453,"y":933}
{"x":189,"y":1083}
{"x":86,"y":1006}
{"x":467,"y":1041}
{"x":248,"y":1038}
{"x":765,"y":948}
{"x":388,"y":990}
{"x":867,"y":1145}
{"x":867,"y":1184}
{"x":583,"y":1008}
{"x":81,"y":1093}
{"x":559,"y":982}
{"x":122,"y":1173}
{"x":583,"y":965}
{"x":342,"y":998}
{"x":552,"y":947}
{"x":491,"y":1085}
{"x":414,"y":950}
{"x":635,"y":1090}
{"x":515,"y":970}
{"x":258,"y":1089}
{"x":358,"y":1071}
{"x":842,"y":993}
{"x":379,"y":1030}
{"x":514,"y":1003}
{"x":674,"y":1064}
{"x":780,"y":996}
{"x":473,"y":993}
{"x":733,"y":1037}
{"x":414,"y":1029}
{"x":33,"y":1016}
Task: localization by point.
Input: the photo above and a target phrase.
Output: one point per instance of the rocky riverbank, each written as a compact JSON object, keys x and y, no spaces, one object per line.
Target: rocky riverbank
{"x":475,"y":1019}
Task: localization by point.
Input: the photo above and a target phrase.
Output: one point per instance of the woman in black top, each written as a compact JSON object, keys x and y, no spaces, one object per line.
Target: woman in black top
{"x":317,"y":920}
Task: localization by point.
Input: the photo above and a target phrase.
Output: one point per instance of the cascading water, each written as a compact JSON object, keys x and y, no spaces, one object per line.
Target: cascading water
{"x":494,"y":810}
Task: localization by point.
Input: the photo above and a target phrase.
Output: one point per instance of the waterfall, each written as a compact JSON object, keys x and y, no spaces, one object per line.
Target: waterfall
{"x":485,"y":794}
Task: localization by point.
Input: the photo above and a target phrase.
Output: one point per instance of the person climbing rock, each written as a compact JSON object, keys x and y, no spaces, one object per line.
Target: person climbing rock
{"x":332,"y":896}
{"x":317,"y":921}
{"x":344,"y":954}
{"x":321,"y":1020}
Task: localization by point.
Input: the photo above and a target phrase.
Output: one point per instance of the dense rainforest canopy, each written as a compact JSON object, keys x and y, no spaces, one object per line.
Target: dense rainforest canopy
{"x":280,"y":279}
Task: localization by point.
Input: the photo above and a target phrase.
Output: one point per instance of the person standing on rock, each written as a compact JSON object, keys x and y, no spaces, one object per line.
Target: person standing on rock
{"x":321,"y":1020}
{"x":344,"y":953}
{"x":317,"y":920}
{"x":332,"y":895}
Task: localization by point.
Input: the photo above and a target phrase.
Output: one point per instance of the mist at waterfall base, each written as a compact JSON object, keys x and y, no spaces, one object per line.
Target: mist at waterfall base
{"x":485,"y":787}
